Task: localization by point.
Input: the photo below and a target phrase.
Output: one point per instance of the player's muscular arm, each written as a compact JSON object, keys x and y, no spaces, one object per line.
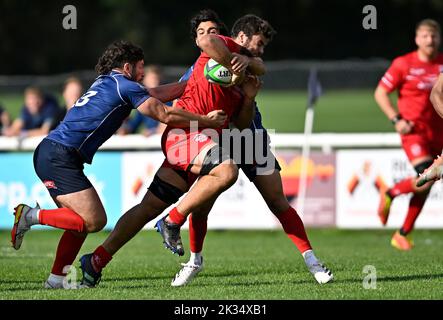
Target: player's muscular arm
{"x":437,"y":96}
{"x":216,"y":48}
{"x":254,"y":65}
{"x":178,"y":117}
{"x":257,"y":66}
{"x":244,"y":117}
{"x":381,"y":96}
{"x":168,"y":92}
{"x":247,"y":112}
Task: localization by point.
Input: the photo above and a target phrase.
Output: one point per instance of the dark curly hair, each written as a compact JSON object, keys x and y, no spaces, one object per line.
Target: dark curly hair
{"x":251,"y":24}
{"x":207,"y":15}
{"x":117,"y":54}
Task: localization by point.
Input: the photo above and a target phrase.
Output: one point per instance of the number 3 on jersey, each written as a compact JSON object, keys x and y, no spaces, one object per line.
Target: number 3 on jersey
{"x":85,"y":98}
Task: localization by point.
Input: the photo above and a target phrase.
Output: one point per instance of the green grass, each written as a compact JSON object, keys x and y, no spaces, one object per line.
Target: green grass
{"x":336,"y":111}
{"x":284,"y":111}
{"x":239,"y":265}
{"x":12,"y":103}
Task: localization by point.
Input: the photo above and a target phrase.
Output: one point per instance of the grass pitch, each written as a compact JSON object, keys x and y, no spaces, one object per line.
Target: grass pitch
{"x":239,"y":265}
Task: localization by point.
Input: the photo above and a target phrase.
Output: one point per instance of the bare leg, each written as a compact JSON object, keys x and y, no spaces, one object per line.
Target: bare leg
{"x":137,"y":217}
{"x":209,"y":187}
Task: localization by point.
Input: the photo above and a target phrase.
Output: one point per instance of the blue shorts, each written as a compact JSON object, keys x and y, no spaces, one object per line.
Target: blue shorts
{"x":60,"y":168}
{"x":252,"y":170}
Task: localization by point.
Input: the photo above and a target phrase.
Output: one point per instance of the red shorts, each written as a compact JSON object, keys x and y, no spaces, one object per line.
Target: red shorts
{"x":180,"y":147}
{"x":417,"y":145}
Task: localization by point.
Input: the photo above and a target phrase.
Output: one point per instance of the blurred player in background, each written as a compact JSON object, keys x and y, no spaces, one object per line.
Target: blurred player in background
{"x":254,"y":34}
{"x":5,"y":120}
{"x":420,"y":127}
{"x":59,"y":159}
{"x":72,"y":91}
{"x":40,"y":113}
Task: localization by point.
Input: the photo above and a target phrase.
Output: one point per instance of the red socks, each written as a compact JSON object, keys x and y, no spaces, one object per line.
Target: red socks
{"x":295,"y":229}
{"x":100,"y":258}
{"x":402,"y":187}
{"x":197,"y":233}
{"x":63,"y":218}
{"x":67,"y":250}
{"x":415,"y":205}
{"x":176,"y":217}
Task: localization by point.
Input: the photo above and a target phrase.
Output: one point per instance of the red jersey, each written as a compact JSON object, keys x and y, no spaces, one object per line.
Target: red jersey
{"x":201,"y":96}
{"x":414,"y":80}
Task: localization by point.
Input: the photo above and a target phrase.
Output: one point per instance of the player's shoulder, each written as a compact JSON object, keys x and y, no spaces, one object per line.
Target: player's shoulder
{"x":439,"y":58}
{"x":224,"y":38}
{"x":404,"y":61}
{"x":126,"y":84}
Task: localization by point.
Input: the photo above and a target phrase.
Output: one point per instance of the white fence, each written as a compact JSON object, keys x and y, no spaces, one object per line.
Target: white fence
{"x":344,"y":176}
{"x":324,"y":141}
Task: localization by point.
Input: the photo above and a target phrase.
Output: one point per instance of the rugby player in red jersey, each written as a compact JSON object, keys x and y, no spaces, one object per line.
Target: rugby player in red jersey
{"x":420,"y":127}
{"x":248,"y":32}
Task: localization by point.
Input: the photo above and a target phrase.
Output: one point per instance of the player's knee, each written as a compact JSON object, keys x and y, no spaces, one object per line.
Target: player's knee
{"x":96,"y":224}
{"x":164,"y":191}
{"x":228,"y":174}
{"x":277,"y":204}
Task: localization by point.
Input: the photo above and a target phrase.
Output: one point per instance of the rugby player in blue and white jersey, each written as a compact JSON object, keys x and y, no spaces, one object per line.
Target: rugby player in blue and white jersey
{"x":95,"y":117}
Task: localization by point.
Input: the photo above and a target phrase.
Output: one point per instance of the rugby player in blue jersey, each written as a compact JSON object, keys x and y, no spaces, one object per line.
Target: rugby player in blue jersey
{"x":95,"y":117}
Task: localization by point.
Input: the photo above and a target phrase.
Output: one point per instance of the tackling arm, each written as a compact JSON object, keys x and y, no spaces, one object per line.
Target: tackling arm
{"x":168,"y":92}
{"x":250,"y":87}
{"x":246,"y":114}
{"x":178,"y":117}
{"x":257,"y":66}
{"x":437,"y":96}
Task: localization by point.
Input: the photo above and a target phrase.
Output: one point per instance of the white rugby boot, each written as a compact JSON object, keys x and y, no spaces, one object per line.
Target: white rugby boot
{"x":316,"y":268}
{"x":187,"y":273}
{"x":24,"y":216}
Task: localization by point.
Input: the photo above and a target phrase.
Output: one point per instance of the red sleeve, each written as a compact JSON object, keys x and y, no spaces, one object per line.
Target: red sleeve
{"x":394,"y":76}
{"x":230,"y":43}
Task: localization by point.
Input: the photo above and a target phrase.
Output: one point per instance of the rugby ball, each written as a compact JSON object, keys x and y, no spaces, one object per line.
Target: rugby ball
{"x":216,"y":73}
